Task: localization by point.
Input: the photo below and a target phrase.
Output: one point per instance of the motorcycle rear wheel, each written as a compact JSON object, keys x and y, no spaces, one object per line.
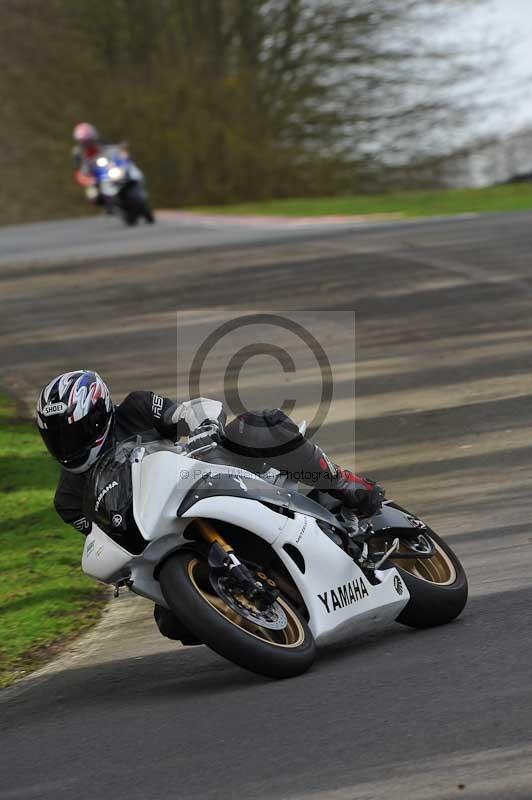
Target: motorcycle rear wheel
{"x":186,"y":587}
{"x":437,"y":585}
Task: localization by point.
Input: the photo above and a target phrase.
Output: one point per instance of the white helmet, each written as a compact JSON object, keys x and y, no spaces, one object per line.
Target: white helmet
{"x":84,"y":132}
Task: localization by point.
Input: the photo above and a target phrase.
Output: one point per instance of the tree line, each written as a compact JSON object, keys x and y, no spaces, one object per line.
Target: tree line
{"x":220,"y":100}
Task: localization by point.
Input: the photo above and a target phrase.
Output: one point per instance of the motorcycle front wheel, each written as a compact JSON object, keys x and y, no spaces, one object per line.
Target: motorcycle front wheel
{"x":134,"y":206}
{"x":276,"y":653}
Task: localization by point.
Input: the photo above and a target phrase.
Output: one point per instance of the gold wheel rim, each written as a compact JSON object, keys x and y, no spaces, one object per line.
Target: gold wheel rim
{"x":293,"y":634}
{"x":437,"y":569}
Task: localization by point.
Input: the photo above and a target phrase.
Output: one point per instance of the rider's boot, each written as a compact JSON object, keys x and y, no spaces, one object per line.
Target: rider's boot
{"x":356,"y":492}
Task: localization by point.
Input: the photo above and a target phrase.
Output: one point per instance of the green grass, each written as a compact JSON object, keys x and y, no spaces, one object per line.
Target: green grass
{"x":514,"y":197}
{"x":44,"y":597}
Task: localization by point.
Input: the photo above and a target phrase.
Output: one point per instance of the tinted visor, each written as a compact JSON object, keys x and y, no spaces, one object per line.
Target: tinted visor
{"x":71,"y":442}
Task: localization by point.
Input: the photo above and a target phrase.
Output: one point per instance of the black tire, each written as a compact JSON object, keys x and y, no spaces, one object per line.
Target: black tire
{"x":148,"y":215}
{"x":130,"y":218}
{"x":132,"y":202}
{"x":272,"y":659}
{"x":433,"y":603}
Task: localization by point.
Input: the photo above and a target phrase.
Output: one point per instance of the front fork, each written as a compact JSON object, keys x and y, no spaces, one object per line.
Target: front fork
{"x":223,"y":560}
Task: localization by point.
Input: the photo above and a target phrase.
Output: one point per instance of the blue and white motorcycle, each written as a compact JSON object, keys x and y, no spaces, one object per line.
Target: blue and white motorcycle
{"x":120,"y":185}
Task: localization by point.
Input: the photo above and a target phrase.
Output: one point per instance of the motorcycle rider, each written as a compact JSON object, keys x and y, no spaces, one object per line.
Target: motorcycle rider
{"x":79,"y":423}
{"x":89,"y":146}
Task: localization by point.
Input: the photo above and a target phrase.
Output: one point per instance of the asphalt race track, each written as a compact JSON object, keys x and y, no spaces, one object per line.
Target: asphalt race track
{"x":73,"y":240}
{"x":444,"y":414}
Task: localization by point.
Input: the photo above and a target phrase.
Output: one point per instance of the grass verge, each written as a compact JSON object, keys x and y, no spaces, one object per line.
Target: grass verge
{"x":44,"y":597}
{"x":512,"y":197}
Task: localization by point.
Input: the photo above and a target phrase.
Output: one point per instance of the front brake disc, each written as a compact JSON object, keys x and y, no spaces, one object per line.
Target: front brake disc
{"x":273,"y":617}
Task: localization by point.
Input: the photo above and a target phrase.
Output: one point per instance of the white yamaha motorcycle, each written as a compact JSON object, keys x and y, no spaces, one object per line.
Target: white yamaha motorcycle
{"x":252,"y":568}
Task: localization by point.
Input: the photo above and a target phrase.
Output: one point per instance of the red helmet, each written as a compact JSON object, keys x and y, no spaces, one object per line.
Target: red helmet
{"x":84,"y":133}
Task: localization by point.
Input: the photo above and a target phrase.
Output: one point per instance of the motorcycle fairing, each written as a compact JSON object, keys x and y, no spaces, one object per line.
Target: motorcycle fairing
{"x":234,"y":485}
{"x":339,"y":598}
